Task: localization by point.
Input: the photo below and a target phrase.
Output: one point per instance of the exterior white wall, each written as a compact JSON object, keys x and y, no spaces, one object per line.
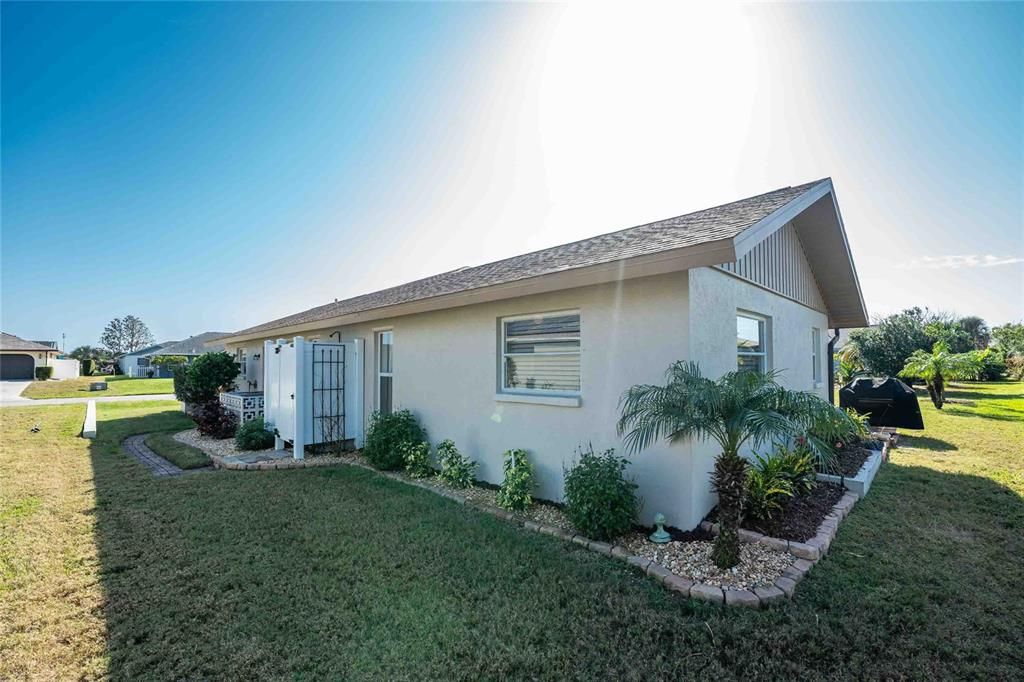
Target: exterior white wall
{"x":65,"y":369}
{"x":715,"y":299}
{"x":446,"y":371}
{"x":40,"y":358}
{"x":125,"y":362}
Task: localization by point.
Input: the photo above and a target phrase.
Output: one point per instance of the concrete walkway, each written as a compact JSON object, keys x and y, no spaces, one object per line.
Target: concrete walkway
{"x":25,"y":402}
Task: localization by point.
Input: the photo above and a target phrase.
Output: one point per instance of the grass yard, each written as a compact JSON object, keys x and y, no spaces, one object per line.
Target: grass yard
{"x":184,"y":456}
{"x":106,"y":571}
{"x":79,"y":388}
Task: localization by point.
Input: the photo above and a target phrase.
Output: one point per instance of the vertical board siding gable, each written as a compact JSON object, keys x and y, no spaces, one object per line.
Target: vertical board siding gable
{"x":778,"y":263}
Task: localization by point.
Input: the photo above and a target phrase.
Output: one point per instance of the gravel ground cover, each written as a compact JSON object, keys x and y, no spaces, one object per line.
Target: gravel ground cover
{"x":759,"y":565}
{"x":226,"y":448}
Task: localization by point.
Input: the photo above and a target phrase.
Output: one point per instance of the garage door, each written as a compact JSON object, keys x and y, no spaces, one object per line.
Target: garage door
{"x":16,"y":366}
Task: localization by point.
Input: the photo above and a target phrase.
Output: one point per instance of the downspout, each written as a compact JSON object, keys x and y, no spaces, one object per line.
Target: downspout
{"x":832,"y":366}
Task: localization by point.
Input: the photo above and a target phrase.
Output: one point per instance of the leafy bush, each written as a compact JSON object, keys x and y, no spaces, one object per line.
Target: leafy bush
{"x":456,"y":469}
{"x":992,"y":366}
{"x":600,"y":501}
{"x":215,"y":421}
{"x":169,"y":360}
{"x":417,"y":459}
{"x":515,"y":493}
{"x":253,"y":435}
{"x":1015,"y":367}
{"x":765,"y":494}
{"x":44,"y":373}
{"x":386,"y":436}
{"x":797,"y":467}
{"x":88,"y":365}
{"x":204,"y":378}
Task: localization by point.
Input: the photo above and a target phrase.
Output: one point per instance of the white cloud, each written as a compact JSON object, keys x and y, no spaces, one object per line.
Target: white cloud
{"x":957,"y":262}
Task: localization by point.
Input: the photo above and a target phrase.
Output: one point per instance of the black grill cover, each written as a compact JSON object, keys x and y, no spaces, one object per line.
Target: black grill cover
{"x":887,"y":401}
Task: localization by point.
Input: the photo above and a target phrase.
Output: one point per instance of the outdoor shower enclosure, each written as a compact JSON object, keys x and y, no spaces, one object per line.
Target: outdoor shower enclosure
{"x":313,"y":392}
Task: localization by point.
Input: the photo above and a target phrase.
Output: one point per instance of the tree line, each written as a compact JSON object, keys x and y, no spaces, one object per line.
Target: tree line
{"x":934,"y":347}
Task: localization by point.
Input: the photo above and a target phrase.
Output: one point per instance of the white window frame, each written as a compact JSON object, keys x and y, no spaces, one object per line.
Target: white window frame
{"x":764,"y":324}
{"x":502,"y":355}
{"x":816,"y":355}
{"x":378,"y":334}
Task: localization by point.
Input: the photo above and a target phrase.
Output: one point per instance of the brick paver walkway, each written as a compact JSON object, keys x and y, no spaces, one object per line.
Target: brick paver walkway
{"x":137,"y":448}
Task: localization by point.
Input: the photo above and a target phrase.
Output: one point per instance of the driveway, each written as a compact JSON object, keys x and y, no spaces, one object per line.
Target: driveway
{"x":10,"y":392}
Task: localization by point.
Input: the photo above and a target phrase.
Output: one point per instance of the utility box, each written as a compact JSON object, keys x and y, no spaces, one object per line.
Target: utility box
{"x":313,"y":392}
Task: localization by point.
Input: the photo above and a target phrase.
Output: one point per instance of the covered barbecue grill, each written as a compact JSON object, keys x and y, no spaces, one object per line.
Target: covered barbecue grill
{"x":887,"y":401}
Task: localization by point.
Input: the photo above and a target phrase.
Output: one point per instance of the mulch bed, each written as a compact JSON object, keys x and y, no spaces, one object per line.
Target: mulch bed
{"x":852,"y":458}
{"x":802,"y":515}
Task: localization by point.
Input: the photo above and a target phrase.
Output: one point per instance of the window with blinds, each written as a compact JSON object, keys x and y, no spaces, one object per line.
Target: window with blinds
{"x":541,"y":353}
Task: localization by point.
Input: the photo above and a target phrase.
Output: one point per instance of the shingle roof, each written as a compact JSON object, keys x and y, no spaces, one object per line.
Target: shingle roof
{"x":712,"y":224}
{"x":193,"y":345}
{"x":12,"y":342}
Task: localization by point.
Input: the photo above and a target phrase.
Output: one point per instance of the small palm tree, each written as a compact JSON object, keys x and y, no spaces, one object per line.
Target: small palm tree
{"x":741,"y":408}
{"x":936,"y":367}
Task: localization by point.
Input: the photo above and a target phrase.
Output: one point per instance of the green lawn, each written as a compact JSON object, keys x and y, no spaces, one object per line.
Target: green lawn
{"x":106,"y":571}
{"x":184,"y":456}
{"x":79,"y":388}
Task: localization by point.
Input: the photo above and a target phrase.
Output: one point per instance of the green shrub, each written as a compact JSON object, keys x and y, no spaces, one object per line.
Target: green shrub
{"x":765,"y":495}
{"x":88,"y":365}
{"x":386,"y":436}
{"x":795,"y":466}
{"x":44,"y":373}
{"x":204,"y":378}
{"x":417,"y":459}
{"x":457,"y":470}
{"x":253,"y":435}
{"x":515,"y":493}
{"x":600,"y":501}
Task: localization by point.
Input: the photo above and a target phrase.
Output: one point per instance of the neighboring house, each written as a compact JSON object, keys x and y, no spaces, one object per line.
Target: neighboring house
{"x":535,"y":351}
{"x":140,"y":363}
{"x":19,"y":359}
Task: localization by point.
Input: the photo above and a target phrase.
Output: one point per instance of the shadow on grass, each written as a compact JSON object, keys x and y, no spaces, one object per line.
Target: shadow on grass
{"x":340,"y":573}
{"x":926,"y":443}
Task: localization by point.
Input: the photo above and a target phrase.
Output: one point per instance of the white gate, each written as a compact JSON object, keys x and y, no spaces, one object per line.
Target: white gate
{"x":313,"y":392}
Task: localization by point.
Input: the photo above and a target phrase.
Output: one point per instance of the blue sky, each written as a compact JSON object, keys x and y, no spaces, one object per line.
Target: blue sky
{"x":212,"y":166}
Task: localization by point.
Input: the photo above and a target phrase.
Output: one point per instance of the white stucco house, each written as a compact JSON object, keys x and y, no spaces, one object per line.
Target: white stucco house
{"x":535,"y":351}
{"x":20,"y":357}
{"x":140,"y":363}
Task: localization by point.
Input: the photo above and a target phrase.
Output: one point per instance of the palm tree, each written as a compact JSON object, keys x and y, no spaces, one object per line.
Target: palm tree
{"x":741,"y":408}
{"x":936,"y":367}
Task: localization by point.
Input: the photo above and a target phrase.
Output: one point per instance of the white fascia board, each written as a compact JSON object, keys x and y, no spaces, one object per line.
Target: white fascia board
{"x":759,"y":231}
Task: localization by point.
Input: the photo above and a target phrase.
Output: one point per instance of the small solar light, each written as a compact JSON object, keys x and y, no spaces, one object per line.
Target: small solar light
{"x":660,"y":536}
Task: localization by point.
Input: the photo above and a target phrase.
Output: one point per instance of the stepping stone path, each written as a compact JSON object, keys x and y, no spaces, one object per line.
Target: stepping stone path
{"x":137,"y":448}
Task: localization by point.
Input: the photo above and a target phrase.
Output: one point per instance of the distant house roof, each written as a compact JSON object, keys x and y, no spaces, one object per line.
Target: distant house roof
{"x":193,"y":345}
{"x":148,"y":350}
{"x":712,"y":234}
{"x":12,"y":342}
